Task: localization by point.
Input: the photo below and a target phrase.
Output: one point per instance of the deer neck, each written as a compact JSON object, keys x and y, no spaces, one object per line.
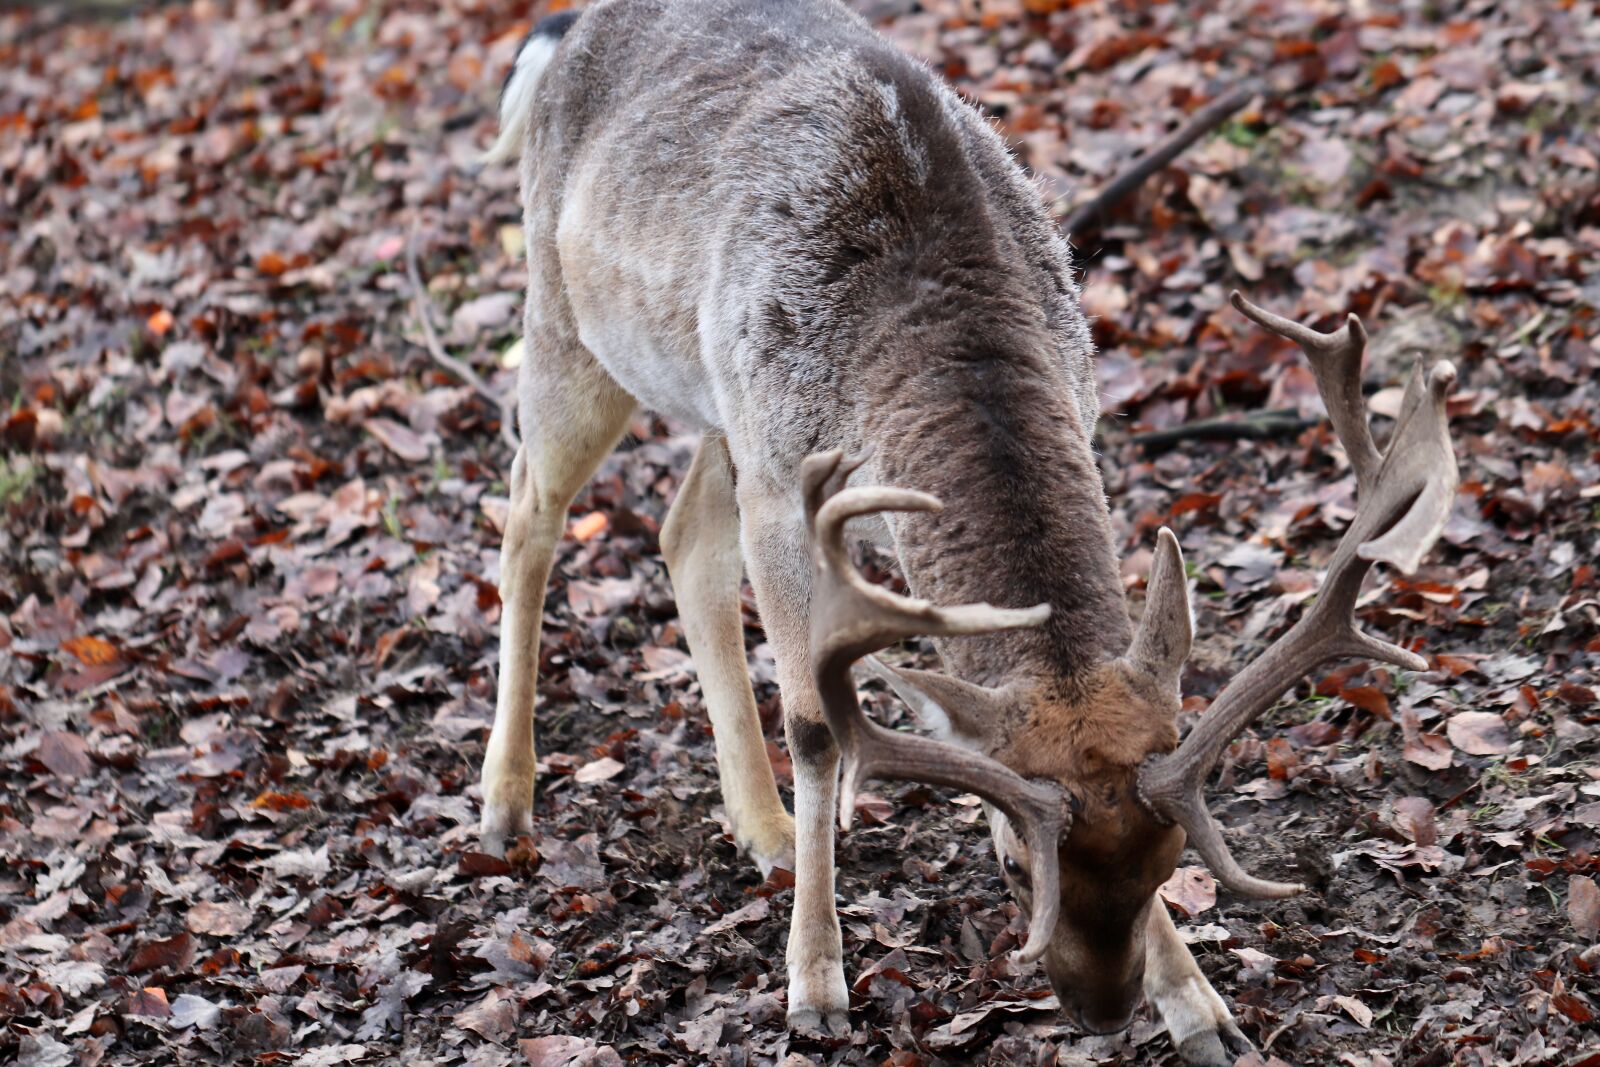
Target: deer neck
{"x":987,"y":424}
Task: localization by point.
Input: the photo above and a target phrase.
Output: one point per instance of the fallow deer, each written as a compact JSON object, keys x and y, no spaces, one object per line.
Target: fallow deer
{"x":761,"y":219}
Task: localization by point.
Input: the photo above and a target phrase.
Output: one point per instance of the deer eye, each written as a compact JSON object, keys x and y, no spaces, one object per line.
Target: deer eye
{"x":1014,"y":869}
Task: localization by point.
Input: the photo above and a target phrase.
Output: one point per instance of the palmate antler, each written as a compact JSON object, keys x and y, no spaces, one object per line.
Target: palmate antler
{"x":1403,"y":500}
{"x":852,"y":618}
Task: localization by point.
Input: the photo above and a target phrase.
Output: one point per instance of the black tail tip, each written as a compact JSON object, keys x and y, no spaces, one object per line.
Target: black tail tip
{"x":555,"y":26}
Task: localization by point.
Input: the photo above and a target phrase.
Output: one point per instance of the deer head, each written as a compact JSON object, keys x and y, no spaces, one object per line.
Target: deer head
{"x":1090,"y":797}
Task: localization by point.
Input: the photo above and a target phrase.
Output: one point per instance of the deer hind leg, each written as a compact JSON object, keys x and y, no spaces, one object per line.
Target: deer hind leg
{"x":1199,"y":1023}
{"x":774,"y":538}
{"x":700,"y":542}
{"x":572,"y":414}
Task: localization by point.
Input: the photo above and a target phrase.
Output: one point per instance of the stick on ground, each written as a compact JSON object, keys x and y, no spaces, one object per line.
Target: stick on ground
{"x":1262,"y":424}
{"x":1202,"y":122}
{"x":424,"y":312}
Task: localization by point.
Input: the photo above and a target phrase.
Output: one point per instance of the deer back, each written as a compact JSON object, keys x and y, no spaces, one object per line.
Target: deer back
{"x":753,"y":205}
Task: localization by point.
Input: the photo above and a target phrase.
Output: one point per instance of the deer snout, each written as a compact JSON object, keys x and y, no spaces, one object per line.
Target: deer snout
{"x":1099,"y":1001}
{"x":1105,"y":1011}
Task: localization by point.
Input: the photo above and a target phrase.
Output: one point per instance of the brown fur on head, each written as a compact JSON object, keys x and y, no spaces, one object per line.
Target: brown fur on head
{"x":1090,"y":734}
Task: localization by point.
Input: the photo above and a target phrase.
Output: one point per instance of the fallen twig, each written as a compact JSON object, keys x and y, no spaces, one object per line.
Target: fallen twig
{"x":1202,"y":122}
{"x":424,"y":311}
{"x":1285,"y":422}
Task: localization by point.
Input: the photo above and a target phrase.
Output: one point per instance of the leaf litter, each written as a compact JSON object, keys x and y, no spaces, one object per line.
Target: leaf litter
{"x":252,"y":534}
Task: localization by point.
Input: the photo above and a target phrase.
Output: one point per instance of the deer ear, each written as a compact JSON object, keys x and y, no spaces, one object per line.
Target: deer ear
{"x":1167,"y":630}
{"x":956,"y":711}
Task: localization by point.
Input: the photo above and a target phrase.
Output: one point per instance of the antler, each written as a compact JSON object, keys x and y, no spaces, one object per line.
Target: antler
{"x":851,"y":618}
{"x":1403,"y":500}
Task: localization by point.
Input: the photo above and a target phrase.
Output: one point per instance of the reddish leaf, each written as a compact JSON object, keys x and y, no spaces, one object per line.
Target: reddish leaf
{"x":91,"y":651}
{"x":481,"y":865}
{"x":1369,"y":699}
{"x":275,"y":801}
{"x":151,"y":1000}
{"x":1573,"y":1007}
{"x":1194,"y":502}
{"x":173,"y":954}
{"x":272,"y":265}
{"x":1281,"y":760}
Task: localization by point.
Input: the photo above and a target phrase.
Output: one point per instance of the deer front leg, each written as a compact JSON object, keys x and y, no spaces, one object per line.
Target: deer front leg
{"x":700,"y":541}
{"x":1199,"y":1023}
{"x":774,"y":537}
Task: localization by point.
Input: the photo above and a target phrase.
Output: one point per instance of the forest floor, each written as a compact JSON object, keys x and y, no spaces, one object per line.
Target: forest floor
{"x":250,"y":533}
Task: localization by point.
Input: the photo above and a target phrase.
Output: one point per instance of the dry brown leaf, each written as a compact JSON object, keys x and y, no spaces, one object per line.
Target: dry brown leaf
{"x":598,"y":770}
{"x":1423,"y":749}
{"x":218,"y":920}
{"x":1191,"y":890}
{"x":1479,"y":733}
{"x":65,"y":753}
{"x":1583,"y":906}
{"x":401,"y":440}
{"x":1414,"y":818}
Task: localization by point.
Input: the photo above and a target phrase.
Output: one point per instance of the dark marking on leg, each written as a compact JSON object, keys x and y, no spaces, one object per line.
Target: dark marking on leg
{"x":811,"y":742}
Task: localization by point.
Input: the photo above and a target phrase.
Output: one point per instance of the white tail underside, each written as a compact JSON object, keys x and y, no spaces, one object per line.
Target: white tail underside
{"x":516,"y":102}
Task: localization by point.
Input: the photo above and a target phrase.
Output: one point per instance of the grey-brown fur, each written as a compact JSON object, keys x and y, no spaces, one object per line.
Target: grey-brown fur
{"x":833,"y":250}
{"x":759,"y":217}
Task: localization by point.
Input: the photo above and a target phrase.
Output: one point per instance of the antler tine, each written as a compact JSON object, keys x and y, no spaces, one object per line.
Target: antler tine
{"x":1403,"y":501}
{"x":1335,"y":360}
{"x":851,"y":618}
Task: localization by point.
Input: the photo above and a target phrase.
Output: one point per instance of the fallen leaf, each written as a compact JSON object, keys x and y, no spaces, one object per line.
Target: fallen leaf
{"x":494,"y":1017}
{"x":754,"y":911}
{"x":1425,"y":750}
{"x":1414,"y":818}
{"x":1479,"y":733}
{"x":272,"y":800}
{"x":598,"y":771}
{"x":1583,"y":906}
{"x":1355,"y":1009}
{"x":272,"y":264}
{"x":485,"y":312}
{"x":65,"y":754}
{"x":401,"y":440}
{"x":1191,"y":890}
{"x":198,"y":1012}
{"x":331,"y":1055}
{"x":873,"y":809}
{"x":91,"y":651}
{"x":560,"y":1051}
{"x":218,"y":920}
{"x":591,"y":525}
{"x":172,"y":954}
{"x":482,"y":865}
{"x":151,"y":1000}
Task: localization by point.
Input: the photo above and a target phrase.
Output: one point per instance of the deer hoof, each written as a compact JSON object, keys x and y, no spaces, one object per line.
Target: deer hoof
{"x":1215,"y":1048}
{"x":818,"y":1020}
{"x":502,"y":824}
{"x":776,"y":851}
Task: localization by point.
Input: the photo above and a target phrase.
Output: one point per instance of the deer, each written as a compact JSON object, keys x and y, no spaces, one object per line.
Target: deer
{"x":763,"y":220}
